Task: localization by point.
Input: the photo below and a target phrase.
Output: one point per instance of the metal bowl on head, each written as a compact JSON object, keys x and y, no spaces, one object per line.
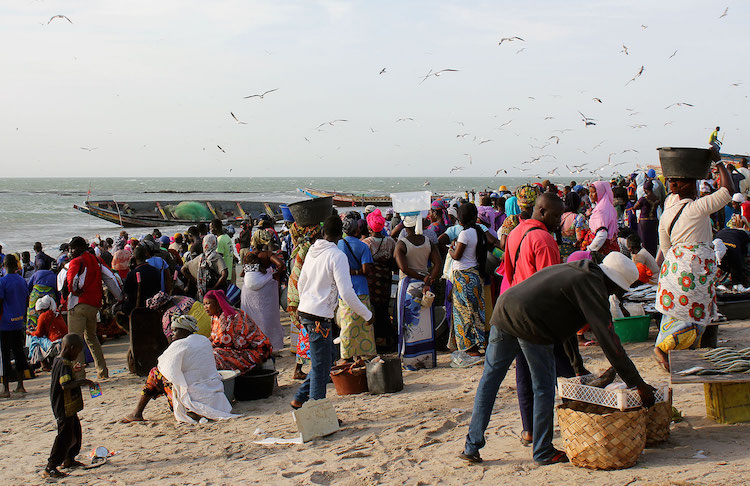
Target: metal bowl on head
{"x":684,"y":162}
{"x":312,"y":211}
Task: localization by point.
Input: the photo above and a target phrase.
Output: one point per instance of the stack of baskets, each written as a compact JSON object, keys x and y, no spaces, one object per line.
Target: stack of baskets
{"x":608,"y":429}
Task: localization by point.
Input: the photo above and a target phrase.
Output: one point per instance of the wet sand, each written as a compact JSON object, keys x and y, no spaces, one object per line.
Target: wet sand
{"x":409,"y":438}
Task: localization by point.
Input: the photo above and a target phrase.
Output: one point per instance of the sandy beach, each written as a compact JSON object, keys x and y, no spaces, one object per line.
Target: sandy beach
{"x":408,"y":438}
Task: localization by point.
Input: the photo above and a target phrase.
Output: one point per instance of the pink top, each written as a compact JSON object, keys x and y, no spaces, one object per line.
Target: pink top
{"x":604,"y":214}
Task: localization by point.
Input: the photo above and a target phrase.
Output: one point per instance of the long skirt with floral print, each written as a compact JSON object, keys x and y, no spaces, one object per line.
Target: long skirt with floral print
{"x":686,"y":295}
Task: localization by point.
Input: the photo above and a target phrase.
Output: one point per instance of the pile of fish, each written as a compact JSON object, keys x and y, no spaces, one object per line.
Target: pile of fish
{"x":642,"y":293}
{"x":725,"y":361}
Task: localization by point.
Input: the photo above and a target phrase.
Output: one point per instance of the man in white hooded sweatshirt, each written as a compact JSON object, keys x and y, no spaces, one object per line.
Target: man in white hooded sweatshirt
{"x":324,"y":276}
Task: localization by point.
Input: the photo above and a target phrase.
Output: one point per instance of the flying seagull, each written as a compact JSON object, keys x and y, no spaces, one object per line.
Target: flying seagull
{"x":499,"y":171}
{"x":588,"y":121}
{"x":59,"y":17}
{"x":485,"y":141}
{"x":330,"y":123}
{"x":725,"y":13}
{"x":456,"y":169}
{"x":221,"y":149}
{"x":509,"y":39}
{"x":519,"y":51}
{"x":462,"y":135}
{"x":673,"y":54}
{"x":262,"y":95}
{"x":237,"y":120}
{"x":644,"y":27}
{"x":677,"y":104}
{"x":553,"y":171}
{"x":437,"y":74}
{"x":624,"y":49}
{"x":557,"y":139}
{"x":514,"y":108}
{"x":469,"y":156}
{"x":549,"y":117}
{"x":598,"y":100}
{"x":638,"y":75}
{"x":89,"y":149}
{"x":382,"y":71}
{"x":404,"y":119}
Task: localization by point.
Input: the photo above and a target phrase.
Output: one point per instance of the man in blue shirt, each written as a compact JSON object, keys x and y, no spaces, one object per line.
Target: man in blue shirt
{"x":14,"y":299}
{"x":357,"y":335}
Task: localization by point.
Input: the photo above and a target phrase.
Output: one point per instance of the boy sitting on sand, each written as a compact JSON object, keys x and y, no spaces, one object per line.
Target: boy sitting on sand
{"x":67,"y":401}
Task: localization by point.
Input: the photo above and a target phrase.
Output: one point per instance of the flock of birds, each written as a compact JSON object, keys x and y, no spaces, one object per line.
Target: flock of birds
{"x":524,"y":166}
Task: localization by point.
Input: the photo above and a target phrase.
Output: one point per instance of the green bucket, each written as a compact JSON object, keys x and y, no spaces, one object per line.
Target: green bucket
{"x":632,"y":329}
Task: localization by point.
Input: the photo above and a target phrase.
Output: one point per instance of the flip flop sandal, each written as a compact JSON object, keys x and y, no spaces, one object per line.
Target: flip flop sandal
{"x":96,"y":462}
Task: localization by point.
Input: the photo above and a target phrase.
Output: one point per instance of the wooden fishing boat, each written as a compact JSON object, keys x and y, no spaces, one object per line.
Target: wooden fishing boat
{"x":343,"y":199}
{"x":135,"y":214}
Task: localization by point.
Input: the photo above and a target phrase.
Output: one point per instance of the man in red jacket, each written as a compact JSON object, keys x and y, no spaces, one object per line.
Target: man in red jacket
{"x":84,"y":281}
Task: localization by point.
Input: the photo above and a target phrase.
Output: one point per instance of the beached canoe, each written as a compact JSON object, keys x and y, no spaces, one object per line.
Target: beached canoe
{"x":135,"y":214}
{"x":343,"y":199}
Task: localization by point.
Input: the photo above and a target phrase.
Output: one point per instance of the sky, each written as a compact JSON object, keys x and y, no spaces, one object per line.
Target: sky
{"x":146,"y":88}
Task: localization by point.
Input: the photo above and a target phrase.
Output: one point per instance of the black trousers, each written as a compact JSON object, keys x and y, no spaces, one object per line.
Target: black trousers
{"x":733,"y":263}
{"x":67,"y":444}
{"x":11,"y":342}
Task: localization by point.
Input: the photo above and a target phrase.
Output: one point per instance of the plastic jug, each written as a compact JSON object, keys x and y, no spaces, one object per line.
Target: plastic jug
{"x":384,"y":375}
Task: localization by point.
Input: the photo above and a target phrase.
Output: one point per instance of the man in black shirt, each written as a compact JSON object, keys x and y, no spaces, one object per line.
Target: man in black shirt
{"x":733,"y":262}
{"x":67,"y":401}
{"x":531,"y":317}
{"x":142,"y":282}
{"x":41,"y":260}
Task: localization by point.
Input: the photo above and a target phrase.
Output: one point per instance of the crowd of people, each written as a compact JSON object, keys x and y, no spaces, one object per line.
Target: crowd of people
{"x":492,"y":260}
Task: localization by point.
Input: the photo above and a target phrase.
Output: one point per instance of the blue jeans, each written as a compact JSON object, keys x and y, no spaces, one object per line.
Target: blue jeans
{"x":524,"y":388}
{"x":321,"y":357}
{"x":501,"y":351}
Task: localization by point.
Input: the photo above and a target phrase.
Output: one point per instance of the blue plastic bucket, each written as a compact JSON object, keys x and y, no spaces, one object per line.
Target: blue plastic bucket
{"x":286,"y":213}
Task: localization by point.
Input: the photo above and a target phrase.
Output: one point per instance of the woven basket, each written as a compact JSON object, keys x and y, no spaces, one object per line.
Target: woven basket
{"x":600,"y":438}
{"x":658,"y":419}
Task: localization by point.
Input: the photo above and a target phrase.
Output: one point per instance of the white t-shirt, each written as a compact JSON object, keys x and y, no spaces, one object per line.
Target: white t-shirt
{"x":469,"y":258}
{"x":694,"y":225}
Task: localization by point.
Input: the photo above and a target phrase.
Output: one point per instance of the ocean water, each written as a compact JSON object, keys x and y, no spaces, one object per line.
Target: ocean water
{"x":41,"y":209}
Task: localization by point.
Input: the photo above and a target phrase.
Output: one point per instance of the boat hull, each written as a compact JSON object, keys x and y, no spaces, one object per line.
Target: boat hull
{"x":140,"y":214}
{"x":344,"y":200}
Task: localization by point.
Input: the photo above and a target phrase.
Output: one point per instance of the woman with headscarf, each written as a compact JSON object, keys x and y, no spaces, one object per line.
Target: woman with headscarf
{"x":602,"y":235}
{"x":187,"y":376}
{"x":379,"y":280}
{"x":44,"y":341}
{"x":42,"y":283}
{"x":302,"y":238}
{"x":121,"y":258}
{"x":260,"y":296}
{"x":573,"y":227}
{"x":520,"y":209}
{"x":238,"y":343}
{"x":439,"y":217}
{"x":416,"y":331}
{"x":209,"y":270}
{"x":179,"y":305}
{"x":648,"y":223}
{"x":686,"y":295}
{"x":357,"y":334}
{"x":469,"y":253}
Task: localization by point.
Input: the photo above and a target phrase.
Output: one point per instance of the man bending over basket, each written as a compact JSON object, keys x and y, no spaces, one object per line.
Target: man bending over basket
{"x":531,"y":317}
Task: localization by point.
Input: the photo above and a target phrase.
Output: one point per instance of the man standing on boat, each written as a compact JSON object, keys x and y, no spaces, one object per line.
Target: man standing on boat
{"x":714,"y":139}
